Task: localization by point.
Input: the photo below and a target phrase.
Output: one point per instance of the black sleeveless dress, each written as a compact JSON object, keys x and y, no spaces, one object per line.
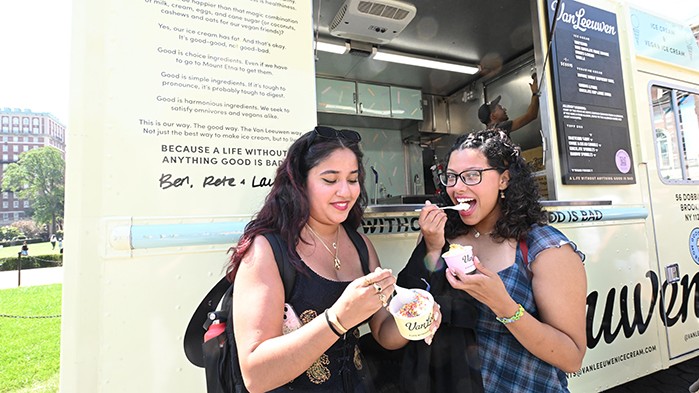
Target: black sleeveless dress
{"x":339,"y":369}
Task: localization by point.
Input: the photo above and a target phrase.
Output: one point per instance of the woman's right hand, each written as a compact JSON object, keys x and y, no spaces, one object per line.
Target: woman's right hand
{"x":432,"y":221}
{"x":363,"y":297}
{"x":436,"y":321}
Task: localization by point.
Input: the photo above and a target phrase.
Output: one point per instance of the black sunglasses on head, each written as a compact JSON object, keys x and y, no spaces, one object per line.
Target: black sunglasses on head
{"x":330,"y":133}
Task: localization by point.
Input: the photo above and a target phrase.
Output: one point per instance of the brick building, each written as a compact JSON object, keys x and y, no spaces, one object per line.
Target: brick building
{"x":22,"y":130}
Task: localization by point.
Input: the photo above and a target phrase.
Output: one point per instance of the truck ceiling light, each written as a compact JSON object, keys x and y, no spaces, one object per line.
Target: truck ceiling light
{"x":424,"y":62}
{"x":393,"y":57}
{"x":332,"y":48}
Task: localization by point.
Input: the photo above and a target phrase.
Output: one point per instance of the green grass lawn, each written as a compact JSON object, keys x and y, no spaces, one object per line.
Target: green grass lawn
{"x":34,"y":249}
{"x":30,"y":347}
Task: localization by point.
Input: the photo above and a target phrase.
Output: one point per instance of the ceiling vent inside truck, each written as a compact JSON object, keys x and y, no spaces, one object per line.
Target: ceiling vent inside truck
{"x":377,"y":22}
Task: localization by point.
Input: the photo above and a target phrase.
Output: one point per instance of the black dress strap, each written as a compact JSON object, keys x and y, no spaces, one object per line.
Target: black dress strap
{"x":360,"y":245}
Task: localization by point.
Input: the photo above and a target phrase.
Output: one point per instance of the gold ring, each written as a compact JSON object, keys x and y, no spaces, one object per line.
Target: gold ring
{"x":382,"y":297}
{"x":377,"y":287}
{"x":367,"y":282}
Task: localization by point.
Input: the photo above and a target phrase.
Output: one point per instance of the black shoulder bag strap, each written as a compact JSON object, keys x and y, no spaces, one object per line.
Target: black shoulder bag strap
{"x":199,"y":323}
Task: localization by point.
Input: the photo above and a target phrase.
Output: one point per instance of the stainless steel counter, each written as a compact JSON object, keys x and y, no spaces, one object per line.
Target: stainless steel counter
{"x":393,"y":208}
{"x":413,"y":207}
{"x":403,"y":218}
{"x":406,"y":199}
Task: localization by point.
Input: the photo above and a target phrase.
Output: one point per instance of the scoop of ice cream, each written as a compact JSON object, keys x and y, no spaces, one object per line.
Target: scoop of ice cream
{"x":416,"y":307}
{"x":454,"y":249}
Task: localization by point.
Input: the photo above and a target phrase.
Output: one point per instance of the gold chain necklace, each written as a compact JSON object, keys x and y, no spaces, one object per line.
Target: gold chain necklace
{"x":336,"y":244}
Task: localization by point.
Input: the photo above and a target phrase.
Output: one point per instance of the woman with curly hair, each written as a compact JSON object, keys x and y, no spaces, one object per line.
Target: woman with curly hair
{"x":520,"y":317}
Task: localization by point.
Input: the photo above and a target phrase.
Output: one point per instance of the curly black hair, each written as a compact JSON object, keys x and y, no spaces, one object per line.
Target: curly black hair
{"x":520,"y":207}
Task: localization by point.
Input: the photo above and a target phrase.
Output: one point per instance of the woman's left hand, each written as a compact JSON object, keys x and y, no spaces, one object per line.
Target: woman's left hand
{"x":484,"y":285}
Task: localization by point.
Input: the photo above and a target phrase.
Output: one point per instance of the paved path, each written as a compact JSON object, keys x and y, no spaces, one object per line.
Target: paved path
{"x":31,"y":277}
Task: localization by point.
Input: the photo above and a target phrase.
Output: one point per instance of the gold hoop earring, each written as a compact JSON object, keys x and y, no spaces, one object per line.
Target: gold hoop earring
{"x":502,"y":194}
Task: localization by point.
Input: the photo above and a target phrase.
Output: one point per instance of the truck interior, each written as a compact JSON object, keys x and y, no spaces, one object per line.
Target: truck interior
{"x":495,"y":39}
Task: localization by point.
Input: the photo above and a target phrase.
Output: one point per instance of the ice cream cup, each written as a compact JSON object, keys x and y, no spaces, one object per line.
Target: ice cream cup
{"x":460,"y":259}
{"x":414,"y":318}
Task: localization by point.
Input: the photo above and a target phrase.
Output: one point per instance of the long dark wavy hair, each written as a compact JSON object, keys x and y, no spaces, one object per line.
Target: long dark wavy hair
{"x":286,"y":208}
{"x":520,"y":207}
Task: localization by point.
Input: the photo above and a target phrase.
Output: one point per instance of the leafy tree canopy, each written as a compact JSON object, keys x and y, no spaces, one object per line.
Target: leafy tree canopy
{"x":39,"y":176}
{"x":9,"y":232}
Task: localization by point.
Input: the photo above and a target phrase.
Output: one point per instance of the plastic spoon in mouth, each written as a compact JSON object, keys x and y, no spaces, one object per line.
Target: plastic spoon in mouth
{"x":460,"y":206}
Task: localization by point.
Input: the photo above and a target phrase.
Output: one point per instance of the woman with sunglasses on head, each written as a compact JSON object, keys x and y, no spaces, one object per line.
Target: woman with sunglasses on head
{"x":527,"y":297}
{"x":315,"y":205}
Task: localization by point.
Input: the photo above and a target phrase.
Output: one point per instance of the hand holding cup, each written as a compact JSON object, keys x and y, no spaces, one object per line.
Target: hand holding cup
{"x":415,"y":319}
{"x":460,"y":258}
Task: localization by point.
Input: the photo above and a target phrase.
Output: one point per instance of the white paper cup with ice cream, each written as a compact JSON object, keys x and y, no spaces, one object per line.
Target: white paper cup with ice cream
{"x":414,"y":318}
{"x":460,"y":258}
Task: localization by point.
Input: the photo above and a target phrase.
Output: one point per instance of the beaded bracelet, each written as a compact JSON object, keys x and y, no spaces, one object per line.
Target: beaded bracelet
{"x":513,"y":318}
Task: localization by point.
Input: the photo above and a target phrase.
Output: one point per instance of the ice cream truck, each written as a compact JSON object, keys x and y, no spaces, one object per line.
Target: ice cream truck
{"x":182,"y":109}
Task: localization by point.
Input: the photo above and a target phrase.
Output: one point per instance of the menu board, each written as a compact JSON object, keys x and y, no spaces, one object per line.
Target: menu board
{"x":591,"y":116}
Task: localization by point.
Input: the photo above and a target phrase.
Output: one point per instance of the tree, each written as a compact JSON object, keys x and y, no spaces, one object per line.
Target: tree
{"x":9,"y":232}
{"x":28,"y":228}
{"x":39,"y":176}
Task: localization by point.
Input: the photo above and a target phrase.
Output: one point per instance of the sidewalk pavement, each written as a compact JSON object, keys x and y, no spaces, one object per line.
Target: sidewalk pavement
{"x":31,"y":277}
